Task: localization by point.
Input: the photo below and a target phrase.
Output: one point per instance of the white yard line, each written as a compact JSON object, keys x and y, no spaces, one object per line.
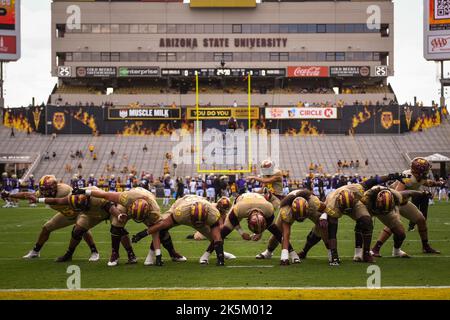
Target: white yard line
{"x":225,"y":288}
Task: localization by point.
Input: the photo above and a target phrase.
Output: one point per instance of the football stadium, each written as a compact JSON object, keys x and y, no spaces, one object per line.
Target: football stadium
{"x":203,"y":150}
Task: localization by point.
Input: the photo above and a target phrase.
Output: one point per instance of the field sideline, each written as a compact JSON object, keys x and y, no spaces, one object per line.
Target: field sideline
{"x":423,"y":276}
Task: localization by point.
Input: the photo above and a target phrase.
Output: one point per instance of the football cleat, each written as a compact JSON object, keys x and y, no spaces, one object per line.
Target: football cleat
{"x":32,"y":255}
{"x":294,"y":257}
{"x":229,"y":256}
{"x":284,"y":262}
{"x":358,"y":257}
{"x":150,"y":260}
{"x":179,"y":258}
{"x":264,"y":255}
{"x":302,"y":255}
{"x":428,"y":249}
{"x":132,"y":259}
{"x":335,"y":262}
{"x":159,"y":262}
{"x":399,"y":253}
{"x":65,"y":258}
{"x":220,"y":263}
{"x":204,"y":259}
{"x":368,"y":258}
{"x":114,"y":260}
{"x":95,"y":256}
{"x":375,"y":253}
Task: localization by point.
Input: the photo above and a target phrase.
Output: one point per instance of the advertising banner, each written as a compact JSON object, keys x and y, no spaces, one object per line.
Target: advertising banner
{"x":301,"y":113}
{"x":10,"y":30}
{"x":350,"y":71}
{"x":144,"y":113}
{"x":96,"y":72}
{"x":436,"y":29}
{"x":222,"y":113}
{"x":308,"y":72}
{"x":8,"y":15}
{"x":138,"y":72}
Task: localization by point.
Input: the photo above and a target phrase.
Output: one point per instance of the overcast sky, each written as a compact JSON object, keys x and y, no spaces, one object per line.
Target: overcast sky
{"x":30,"y":77}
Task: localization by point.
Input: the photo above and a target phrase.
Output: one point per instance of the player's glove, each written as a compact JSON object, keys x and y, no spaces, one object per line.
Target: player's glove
{"x":159,"y":262}
{"x":139,"y":236}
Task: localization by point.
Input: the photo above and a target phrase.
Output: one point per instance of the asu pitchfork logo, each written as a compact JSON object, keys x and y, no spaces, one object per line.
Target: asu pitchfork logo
{"x":59,"y":120}
{"x":387,"y":120}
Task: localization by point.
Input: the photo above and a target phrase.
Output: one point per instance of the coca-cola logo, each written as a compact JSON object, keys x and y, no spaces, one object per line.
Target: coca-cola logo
{"x":308,"y":71}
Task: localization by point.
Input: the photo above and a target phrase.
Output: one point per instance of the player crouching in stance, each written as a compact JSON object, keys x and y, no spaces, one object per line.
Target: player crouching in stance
{"x":384,"y":204}
{"x":92,"y":211}
{"x":139,"y":205}
{"x":260,"y":216}
{"x":415,"y":211}
{"x":224,"y":206}
{"x":297,"y":206}
{"x":346,"y":201}
{"x":196,"y":212}
{"x":66,"y":216}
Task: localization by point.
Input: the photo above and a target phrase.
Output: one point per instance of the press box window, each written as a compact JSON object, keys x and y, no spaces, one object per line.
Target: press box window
{"x":115,"y":28}
{"x":171,"y":28}
{"x":171,"y":57}
{"x":105,"y":56}
{"x":115,"y":56}
{"x":124,"y":28}
{"x":237,"y":28}
{"x":134,"y":28}
{"x":340,"y":56}
{"x":95,"y":56}
{"x":321,"y":28}
{"x":209,"y":28}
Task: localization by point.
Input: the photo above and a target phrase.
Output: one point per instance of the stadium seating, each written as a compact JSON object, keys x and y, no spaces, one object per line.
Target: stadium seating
{"x":386,"y":153}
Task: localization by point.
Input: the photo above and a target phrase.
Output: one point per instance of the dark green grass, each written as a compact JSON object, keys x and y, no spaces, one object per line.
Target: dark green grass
{"x":19,"y":229}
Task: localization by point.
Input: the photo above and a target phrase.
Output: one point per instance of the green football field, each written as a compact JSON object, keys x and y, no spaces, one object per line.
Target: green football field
{"x":19,"y":229}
